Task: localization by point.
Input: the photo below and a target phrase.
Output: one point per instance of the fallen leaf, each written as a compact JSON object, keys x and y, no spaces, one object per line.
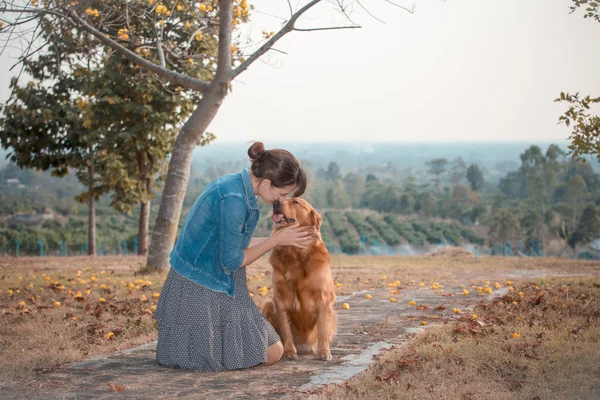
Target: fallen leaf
{"x":387,"y":375}
{"x":115,"y":387}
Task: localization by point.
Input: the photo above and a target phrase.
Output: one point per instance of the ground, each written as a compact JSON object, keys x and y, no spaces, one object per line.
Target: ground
{"x":407,"y":295}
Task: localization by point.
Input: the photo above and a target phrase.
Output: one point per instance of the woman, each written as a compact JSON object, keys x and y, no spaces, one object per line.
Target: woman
{"x":206,"y":318}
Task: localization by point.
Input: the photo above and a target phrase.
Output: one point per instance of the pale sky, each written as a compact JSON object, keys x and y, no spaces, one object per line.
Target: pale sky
{"x":456,"y":70}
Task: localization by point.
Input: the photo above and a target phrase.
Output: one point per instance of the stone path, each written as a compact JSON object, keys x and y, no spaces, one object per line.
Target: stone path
{"x":367,"y":327}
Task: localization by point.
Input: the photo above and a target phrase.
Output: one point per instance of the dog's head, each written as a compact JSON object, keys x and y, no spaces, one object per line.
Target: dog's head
{"x":295,"y":210}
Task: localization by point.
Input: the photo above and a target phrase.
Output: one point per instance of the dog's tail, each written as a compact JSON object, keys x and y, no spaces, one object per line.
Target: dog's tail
{"x":268,"y":311}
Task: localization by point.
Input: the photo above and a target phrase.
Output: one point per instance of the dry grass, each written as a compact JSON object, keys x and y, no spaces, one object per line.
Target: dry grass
{"x":543,"y":344}
{"x":37,"y":335}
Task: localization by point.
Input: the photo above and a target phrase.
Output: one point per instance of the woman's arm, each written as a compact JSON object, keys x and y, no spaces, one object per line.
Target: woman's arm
{"x":256,"y":250}
{"x":255,"y":241}
{"x":294,"y":235}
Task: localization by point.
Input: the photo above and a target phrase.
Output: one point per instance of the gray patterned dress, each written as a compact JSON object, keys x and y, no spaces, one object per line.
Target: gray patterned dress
{"x":201,"y":329}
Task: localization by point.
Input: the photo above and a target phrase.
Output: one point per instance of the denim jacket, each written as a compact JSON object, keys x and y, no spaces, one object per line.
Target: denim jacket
{"x":216,"y":231}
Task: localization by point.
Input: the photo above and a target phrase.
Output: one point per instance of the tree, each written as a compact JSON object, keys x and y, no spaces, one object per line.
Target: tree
{"x":458,"y":170}
{"x":504,"y":226}
{"x":426,"y":204}
{"x":437,"y":167}
{"x":140,"y":117}
{"x":337,"y":197}
{"x":461,"y":202}
{"x":585,"y":137}
{"x":355,"y":187}
{"x":128,"y":122}
{"x":45,"y":130}
{"x":575,"y":195}
{"x":588,"y":228}
{"x":475,"y":177}
{"x":333,"y":172}
{"x":539,"y":171}
{"x":531,"y":223}
{"x":175,"y":43}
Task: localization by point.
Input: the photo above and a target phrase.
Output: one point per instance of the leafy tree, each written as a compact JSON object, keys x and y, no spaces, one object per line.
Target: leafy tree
{"x":337,"y":196}
{"x":173,"y":41}
{"x":458,"y":170}
{"x":505,"y":226}
{"x":585,"y":135}
{"x":333,"y":172}
{"x":575,"y":195}
{"x":539,"y":170}
{"x":461,"y":202}
{"x":45,"y":129}
{"x":436,"y":168}
{"x":140,"y":117}
{"x":355,"y":187}
{"x":588,"y":228}
{"x":475,"y":177}
{"x":426,"y":204}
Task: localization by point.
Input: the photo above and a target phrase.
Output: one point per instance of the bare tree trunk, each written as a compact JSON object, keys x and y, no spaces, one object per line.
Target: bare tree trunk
{"x":178,"y":174}
{"x":143,"y":168}
{"x":91,"y":213}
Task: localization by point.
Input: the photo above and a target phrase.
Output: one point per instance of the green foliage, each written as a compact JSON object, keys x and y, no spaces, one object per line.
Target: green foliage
{"x":591,"y":8}
{"x":387,"y":232}
{"x":588,"y":228}
{"x":475,"y":177}
{"x":348,"y":242}
{"x":406,"y":230}
{"x":363,"y":228}
{"x":585,"y":135}
{"x":505,"y":226}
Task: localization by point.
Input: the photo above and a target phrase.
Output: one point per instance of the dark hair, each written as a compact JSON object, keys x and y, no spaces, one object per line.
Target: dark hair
{"x":277,"y":165}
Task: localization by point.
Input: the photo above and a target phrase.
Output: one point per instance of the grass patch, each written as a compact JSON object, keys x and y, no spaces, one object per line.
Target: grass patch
{"x":540,"y":341}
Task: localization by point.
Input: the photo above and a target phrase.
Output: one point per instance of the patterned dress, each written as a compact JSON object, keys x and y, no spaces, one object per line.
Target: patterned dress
{"x":201,"y":329}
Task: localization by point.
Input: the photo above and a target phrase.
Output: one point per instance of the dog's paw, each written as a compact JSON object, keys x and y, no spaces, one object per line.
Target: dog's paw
{"x":324,"y":355}
{"x":290,"y":354}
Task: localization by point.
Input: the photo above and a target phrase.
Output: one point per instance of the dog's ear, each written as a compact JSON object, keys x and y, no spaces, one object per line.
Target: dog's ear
{"x":316,"y":220}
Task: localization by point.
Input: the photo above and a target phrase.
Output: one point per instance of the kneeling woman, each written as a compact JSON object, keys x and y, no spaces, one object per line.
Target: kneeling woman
{"x":206,"y":318}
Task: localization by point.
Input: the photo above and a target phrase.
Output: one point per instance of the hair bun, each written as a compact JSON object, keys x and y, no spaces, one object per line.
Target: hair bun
{"x":256,"y":150}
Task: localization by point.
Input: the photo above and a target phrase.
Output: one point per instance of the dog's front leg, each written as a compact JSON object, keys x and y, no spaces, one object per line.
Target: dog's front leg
{"x":324,"y":331}
{"x":285,"y":332}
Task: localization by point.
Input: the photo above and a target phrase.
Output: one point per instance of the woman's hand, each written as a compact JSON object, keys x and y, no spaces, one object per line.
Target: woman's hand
{"x":295,"y":235}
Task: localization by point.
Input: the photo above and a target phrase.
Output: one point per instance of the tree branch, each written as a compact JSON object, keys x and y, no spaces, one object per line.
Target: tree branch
{"x":224,"y":51}
{"x":288,"y":27}
{"x":368,"y":12}
{"x":171,"y":76}
{"x":410,"y":10}
{"x":326,"y":29}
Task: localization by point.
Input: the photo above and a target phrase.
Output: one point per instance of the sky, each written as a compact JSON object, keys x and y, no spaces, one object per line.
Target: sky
{"x":455,"y":70}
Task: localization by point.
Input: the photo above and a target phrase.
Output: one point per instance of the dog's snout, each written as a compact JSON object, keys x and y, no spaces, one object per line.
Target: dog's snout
{"x":277,"y":204}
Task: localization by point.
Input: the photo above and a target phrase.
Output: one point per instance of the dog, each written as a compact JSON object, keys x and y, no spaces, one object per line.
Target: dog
{"x":301,"y":310}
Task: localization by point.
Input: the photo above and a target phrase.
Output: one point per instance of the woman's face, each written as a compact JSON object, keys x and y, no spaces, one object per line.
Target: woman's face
{"x":269,"y":193}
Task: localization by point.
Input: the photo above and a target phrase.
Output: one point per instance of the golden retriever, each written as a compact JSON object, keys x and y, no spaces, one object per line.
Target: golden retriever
{"x":303,"y":291}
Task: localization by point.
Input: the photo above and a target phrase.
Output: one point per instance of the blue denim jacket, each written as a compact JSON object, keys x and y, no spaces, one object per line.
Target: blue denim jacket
{"x":216,"y":231}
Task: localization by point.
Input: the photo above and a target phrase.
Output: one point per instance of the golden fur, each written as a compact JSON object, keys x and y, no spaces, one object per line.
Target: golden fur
{"x":303,"y":291}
